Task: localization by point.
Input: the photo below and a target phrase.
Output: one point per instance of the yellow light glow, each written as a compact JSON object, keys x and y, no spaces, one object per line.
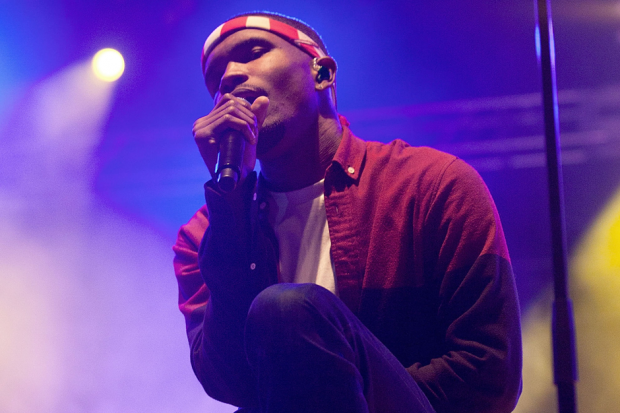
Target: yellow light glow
{"x":595,"y":281}
{"x":108,"y":65}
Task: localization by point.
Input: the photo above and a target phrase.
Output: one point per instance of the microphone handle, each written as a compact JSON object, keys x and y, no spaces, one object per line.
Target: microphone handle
{"x":230,"y":160}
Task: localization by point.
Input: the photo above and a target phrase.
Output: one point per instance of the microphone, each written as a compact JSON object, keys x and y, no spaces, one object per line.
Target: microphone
{"x":230,"y":159}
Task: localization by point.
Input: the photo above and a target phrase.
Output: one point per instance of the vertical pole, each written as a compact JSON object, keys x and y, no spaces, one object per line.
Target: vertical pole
{"x":563,"y":330}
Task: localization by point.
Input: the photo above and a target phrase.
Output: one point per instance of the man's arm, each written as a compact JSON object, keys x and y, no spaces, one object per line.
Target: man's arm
{"x":480,"y":370}
{"x":215,"y":315}
{"x":212,"y":262}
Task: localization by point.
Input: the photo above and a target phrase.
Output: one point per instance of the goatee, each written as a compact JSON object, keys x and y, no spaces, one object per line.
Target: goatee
{"x":269,"y":136}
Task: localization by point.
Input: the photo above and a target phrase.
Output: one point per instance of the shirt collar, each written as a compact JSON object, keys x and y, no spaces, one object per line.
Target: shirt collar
{"x":351,"y":151}
{"x":349,"y":156}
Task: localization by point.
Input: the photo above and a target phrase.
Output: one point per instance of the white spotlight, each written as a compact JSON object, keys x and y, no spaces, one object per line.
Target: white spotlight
{"x":108,"y":65}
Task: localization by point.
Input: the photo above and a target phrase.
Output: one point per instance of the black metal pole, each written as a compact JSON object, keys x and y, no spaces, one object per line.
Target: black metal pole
{"x":563,"y":330}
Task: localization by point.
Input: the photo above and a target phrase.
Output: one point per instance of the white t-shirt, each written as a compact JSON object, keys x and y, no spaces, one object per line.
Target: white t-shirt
{"x":299,"y":221}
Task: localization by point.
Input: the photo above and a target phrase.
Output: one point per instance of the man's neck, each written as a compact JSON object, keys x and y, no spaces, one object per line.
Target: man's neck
{"x":305,"y":164}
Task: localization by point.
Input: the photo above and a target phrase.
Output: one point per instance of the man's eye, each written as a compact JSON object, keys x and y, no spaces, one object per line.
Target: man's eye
{"x":257,"y":51}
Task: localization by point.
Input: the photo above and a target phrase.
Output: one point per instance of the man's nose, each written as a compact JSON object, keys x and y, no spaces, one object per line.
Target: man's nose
{"x":234,"y":75}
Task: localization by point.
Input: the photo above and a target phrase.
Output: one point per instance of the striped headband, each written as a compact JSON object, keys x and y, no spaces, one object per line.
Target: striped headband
{"x":293,"y":35}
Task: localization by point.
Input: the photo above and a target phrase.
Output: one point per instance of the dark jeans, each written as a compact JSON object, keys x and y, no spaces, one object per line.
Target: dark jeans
{"x":311,"y":354}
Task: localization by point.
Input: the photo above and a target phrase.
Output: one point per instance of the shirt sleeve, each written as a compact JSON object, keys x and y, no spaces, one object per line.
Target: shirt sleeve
{"x":216,"y":286}
{"x":480,"y":370}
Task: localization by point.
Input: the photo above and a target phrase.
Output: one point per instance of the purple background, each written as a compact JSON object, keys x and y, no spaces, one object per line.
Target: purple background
{"x":95,"y":180}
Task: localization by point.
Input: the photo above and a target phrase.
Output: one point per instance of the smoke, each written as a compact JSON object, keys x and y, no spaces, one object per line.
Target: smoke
{"x":88,"y":317}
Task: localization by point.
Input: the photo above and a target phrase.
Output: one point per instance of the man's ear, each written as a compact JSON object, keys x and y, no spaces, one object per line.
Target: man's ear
{"x":324,"y":71}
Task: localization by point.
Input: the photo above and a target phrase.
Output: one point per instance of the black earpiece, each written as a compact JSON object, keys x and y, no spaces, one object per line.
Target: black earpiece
{"x":323,"y":74}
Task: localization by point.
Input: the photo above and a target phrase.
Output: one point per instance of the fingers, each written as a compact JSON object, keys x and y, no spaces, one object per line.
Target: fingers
{"x":230,"y":97}
{"x":229,"y":103}
{"x":235,"y":114}
{"x":213,"y":131}
{"x":230,"y":112}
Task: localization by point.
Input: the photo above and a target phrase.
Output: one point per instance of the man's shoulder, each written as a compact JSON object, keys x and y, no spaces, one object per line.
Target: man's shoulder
{"x":401,"y":156}
{"x":400,"y":147}
{"x":400,"y":168}
{"x":391,"y":157}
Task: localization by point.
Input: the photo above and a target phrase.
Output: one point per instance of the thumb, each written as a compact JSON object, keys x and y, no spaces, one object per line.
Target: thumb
{"x":259,"y":108}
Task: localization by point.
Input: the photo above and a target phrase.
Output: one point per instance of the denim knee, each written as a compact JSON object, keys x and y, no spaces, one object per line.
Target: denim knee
{"x":282,"y":310}
{"x":283,"y":305}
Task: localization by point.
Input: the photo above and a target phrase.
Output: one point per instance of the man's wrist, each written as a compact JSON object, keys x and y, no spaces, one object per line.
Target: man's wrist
{"x":229,"y":209}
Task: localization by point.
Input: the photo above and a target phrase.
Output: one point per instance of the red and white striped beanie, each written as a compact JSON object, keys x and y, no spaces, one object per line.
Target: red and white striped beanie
{"x":293,"y":35}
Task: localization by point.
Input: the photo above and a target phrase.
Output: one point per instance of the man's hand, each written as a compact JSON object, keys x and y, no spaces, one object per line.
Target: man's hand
{"x":235,"y":113}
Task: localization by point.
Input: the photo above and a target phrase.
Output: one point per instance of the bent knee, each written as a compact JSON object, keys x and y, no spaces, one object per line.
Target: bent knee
{"x":284,"y":303}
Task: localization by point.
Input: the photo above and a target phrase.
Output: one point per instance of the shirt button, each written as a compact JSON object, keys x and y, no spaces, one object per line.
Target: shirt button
{"x":253,"y":266}
{"x":351,"y":170}
{"x":262,"y":205}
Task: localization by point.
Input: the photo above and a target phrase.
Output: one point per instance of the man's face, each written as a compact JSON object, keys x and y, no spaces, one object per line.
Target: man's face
{"x":251,"y":63}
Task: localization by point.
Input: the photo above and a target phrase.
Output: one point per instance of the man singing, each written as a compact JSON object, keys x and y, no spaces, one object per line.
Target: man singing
{"x":350,"y":276}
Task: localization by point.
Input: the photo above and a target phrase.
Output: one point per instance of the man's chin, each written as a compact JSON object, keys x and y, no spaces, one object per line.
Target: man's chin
{"x":269,"y":137}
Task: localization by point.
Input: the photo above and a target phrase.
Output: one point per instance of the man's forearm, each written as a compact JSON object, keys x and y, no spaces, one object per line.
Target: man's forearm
{"x":226,"y":254}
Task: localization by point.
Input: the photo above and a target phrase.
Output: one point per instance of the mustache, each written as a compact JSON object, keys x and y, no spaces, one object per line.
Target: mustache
{"x":247,"y":92}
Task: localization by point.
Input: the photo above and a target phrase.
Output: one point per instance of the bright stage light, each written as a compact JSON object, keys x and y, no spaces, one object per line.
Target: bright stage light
{"x":108,"y":65}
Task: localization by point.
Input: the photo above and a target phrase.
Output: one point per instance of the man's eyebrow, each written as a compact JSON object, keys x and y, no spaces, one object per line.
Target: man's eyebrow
{"x":244,"y":44}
